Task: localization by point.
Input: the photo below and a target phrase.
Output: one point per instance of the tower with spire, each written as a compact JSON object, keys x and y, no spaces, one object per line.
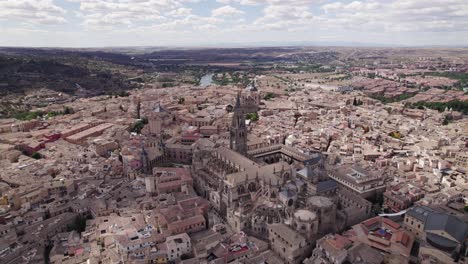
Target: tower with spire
{"x":238,"y":129}
{"x":145,"y":167}
{"x":158,"y":119}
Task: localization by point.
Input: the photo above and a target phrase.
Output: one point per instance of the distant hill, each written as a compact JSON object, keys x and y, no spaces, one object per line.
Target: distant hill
{"x":56,"y":71}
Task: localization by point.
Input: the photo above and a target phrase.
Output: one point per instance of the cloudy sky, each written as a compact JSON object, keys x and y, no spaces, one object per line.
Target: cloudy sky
{"x":98,"y":23}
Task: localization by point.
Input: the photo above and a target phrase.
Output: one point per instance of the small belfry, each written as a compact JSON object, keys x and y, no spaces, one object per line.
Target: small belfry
{"x":238,"y":129}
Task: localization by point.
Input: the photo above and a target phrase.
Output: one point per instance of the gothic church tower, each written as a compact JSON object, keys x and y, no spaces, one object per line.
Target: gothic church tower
{"x":238,"y":130}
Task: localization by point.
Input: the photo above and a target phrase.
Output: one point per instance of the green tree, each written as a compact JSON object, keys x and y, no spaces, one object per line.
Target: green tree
{"x":139,"y":125}
{"x":79,"y":225}
{"x":395,"y":134}
{"x":123,"y":93}
{"x":28,"y":115}
{"x":252,"y":116}
{"x":456,"y":105}
{"x":269,"y":96}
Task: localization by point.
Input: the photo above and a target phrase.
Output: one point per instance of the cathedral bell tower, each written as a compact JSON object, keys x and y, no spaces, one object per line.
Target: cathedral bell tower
{"x":145,"y":166}
{"x":238,"y":129}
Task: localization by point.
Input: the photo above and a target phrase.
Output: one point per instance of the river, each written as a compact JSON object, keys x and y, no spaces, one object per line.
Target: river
{"x":206,"y":80}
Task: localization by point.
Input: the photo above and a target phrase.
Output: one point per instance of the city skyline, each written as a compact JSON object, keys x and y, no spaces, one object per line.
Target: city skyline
{"x":102,"y":23}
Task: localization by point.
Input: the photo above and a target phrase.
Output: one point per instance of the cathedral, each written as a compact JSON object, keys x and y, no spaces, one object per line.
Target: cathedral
{"x":256,"y":188}
{"x":250,"y":187}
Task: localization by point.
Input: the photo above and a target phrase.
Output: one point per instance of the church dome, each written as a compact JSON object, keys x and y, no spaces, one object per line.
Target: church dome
{"x":305,"y":215}
{"x":320,"y":202}
{"x":290,"y":140}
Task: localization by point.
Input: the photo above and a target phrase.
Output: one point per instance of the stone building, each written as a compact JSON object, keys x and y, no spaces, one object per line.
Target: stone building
{"x":251,"y":98}
{"x":102,"y":147}
{"x":442,"y":236}
{"x":354,"y":208}
{"x":168,"y":180}
{"x":263,"y":215}
{"x":263,"y":189}
{"x":306,"y":223}
{"x":359,"y":180}
{"x":337,"y":249}
{"x":291,"y":246}
{"x":177,"y":246}
{"x":325,"y":210}
{"x":383,"y":234}
{"x":158,"y":119}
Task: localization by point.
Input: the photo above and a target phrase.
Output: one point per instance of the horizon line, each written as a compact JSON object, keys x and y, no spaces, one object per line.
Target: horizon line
{"x":227,"y":46}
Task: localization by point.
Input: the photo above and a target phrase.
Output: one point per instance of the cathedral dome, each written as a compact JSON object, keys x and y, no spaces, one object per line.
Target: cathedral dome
{"x":305,"y":215}
{"x":320,"y":202}
{"x":290,"y":140}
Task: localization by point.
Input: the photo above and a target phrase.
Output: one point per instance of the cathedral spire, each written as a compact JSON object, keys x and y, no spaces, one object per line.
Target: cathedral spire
{"x":145,"y":168}
{"x":238,"y":103}
{"x":238,"y":129}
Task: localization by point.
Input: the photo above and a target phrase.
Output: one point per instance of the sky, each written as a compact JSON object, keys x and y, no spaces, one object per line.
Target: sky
{"x":188,"y":23}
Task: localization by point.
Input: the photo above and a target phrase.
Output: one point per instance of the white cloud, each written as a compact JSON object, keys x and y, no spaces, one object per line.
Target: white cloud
{"x":271,"y":2}
{"x":365,"y":15}
{"x":32,"y":11}
{"x":108,"y":14}
{"x":228,"y":11}
{"x":399,"y":15}
{"x":180,"y":12}
{"x":436,"y":21}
